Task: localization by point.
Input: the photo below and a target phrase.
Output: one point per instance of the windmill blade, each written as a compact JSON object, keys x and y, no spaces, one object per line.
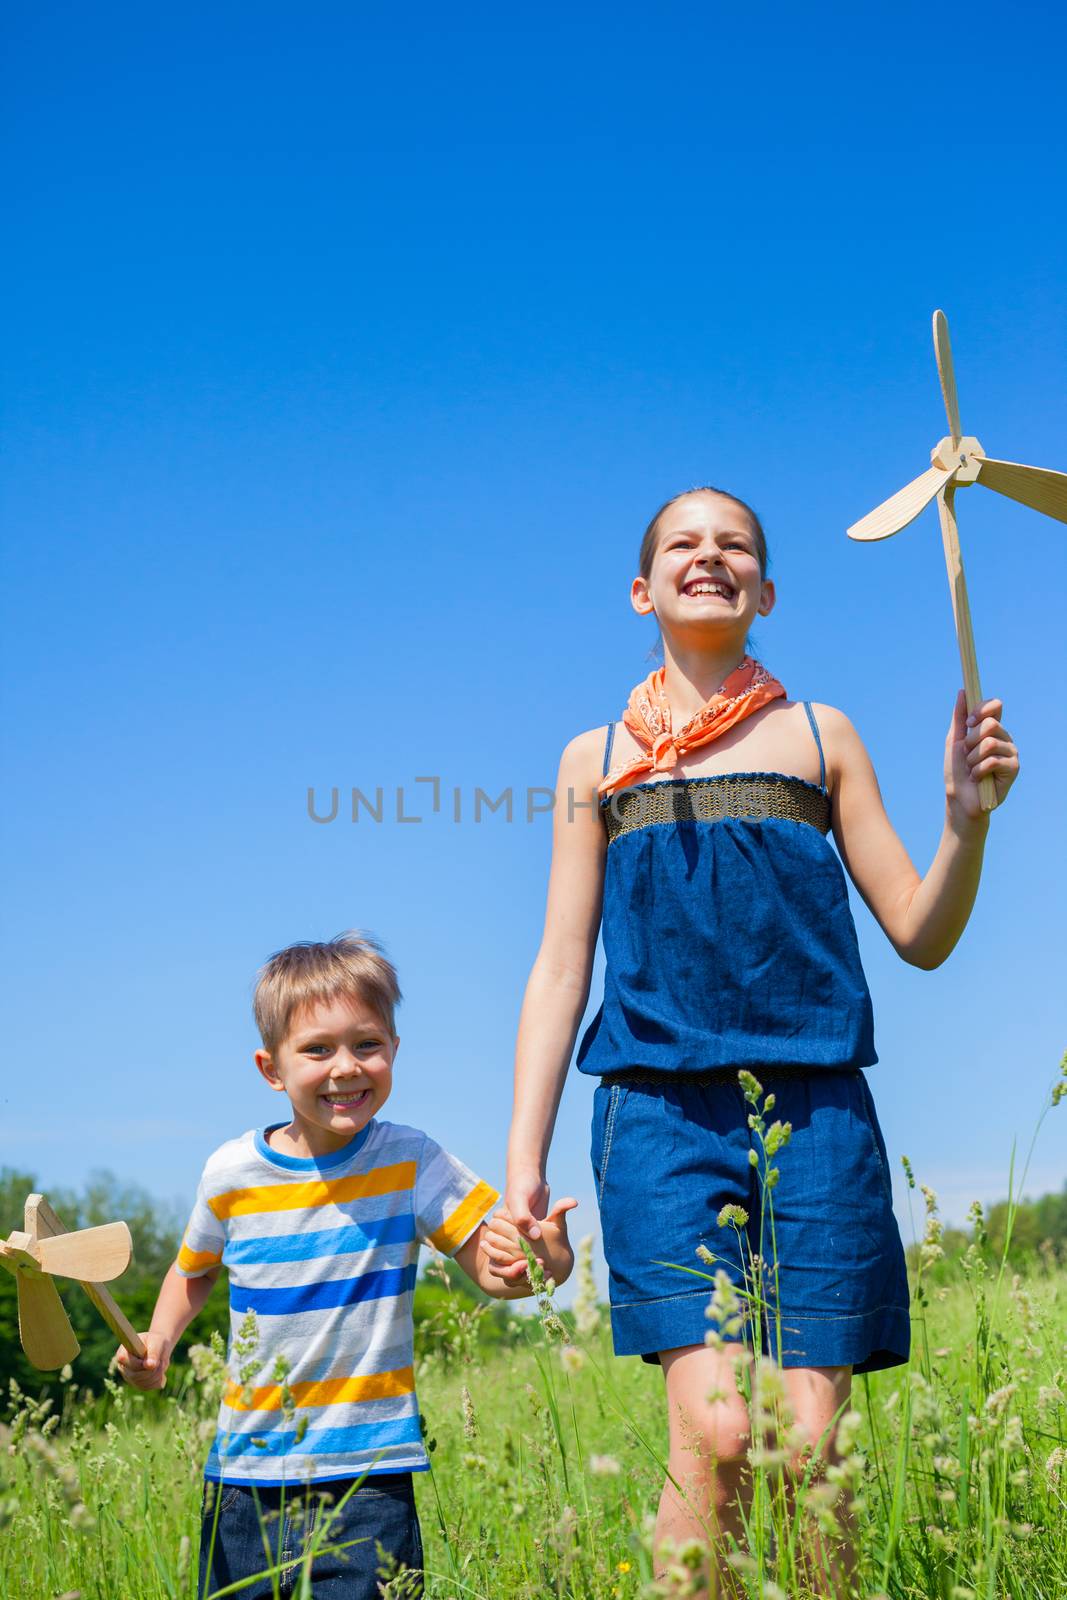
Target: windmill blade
{"x":1032,"y":486}
{"x":44,"y":1327}
{"x":946,"y":372}
{"x":900,"y":509}
{"x":92,"y":1255}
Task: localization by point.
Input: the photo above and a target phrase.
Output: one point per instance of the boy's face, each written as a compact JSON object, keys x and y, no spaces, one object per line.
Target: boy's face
{"x":336,"y":1066}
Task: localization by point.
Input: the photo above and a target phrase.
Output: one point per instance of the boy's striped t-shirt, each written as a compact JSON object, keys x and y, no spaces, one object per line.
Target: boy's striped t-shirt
{"x":325,"y":1251}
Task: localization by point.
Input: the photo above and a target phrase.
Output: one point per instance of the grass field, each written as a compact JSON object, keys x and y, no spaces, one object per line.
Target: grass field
{"x":547,"y":1462}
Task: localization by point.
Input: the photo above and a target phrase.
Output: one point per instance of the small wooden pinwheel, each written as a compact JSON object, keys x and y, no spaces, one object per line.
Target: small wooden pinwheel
{"x":45,"y":1250}
{"x":957,"y":461}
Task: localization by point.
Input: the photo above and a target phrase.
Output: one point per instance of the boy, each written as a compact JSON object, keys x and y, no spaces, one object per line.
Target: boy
{"x":318,"y":1221}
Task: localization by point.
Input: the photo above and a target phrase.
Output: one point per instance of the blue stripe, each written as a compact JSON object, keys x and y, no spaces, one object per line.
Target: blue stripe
{"x":360,"y":1437}
{"x":324,"y":1242}
{"x":322,"y":1296}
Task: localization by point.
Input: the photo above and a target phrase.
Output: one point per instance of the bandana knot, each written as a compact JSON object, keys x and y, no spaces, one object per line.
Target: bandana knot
{"x":648,"y":717}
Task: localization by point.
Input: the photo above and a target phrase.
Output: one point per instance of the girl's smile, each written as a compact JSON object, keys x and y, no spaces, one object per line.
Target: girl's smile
{"x":706,"y":565}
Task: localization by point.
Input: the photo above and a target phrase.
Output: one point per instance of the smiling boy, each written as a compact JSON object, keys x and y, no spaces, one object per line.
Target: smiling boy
{"x":318,"y":1222}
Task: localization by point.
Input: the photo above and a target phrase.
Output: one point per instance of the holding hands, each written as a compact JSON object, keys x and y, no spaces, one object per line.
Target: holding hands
{"x":977,"y":746}
{"x":551,"y":1246}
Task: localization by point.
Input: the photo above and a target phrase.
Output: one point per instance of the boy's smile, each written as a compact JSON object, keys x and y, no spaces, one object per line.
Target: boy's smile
{"x":336,"y":1066}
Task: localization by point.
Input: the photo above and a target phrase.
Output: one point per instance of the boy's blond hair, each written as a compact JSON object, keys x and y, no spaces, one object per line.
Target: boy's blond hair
{"x":352,"y":965}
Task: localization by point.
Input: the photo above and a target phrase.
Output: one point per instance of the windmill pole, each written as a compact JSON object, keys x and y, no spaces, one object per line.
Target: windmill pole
{"x":957,"y":583}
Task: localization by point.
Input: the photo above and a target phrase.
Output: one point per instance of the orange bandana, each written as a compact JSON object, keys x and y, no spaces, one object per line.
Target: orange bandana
{"x":648,"y":717}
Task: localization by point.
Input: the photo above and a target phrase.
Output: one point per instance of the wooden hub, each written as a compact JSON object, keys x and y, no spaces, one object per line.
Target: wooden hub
{"x":964,"y":458}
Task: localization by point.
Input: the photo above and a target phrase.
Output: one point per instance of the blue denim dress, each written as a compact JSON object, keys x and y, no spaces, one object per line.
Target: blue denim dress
{"x":730,"y":944}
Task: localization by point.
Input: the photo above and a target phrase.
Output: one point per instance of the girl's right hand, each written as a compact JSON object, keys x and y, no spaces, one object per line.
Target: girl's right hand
{"x":149,"y":1372}
{"x":526,"y":1197}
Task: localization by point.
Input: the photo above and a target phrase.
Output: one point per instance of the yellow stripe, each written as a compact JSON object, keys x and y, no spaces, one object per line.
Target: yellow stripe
{"x":330,"y":1391}
{"x":455,"y":1228}
{"x":196,"y":1260}
{"x":297,"y":1196}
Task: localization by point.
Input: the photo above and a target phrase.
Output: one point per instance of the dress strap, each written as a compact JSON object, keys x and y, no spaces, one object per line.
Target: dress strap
{"x":608,"y":742}
{"x":818,"y":744}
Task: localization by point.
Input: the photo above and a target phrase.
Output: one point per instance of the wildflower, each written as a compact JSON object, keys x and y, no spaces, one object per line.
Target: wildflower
{"x":604,"y":1466}
{"x":725,"y":1309}
{"x":751,"y":1086}
{"x":931,"y":1249}
{"x":624,"y":1566}
{"x":908,"y":1173}
{"x":731,"y":1215}
{"x":586,"y":1309}
{"x":571,"y":1359}
{"x":1049,"y":1396}
{"x":997,"y":1402}
{"x":847,"y":1430}
{"x":470,"y":1423}
{"x":1060,"y":1089}
{"x":705,"y":1255}
{"x":1055,"y":1464}
{"x":777,"y":1137}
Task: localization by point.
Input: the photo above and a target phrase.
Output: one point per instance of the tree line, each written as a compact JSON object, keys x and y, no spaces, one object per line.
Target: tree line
{"x":451,"y":1315}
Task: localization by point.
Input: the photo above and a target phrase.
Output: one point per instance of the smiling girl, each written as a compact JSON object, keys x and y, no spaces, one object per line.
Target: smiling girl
{"x":729,"y":944}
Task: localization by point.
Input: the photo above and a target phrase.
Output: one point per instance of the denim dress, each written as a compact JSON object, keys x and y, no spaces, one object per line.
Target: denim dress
{"x":730,"y":944}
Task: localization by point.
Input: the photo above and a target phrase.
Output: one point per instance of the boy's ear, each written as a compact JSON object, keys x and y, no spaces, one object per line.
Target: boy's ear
{"x":767,"y":597}
{"x":265,"y":1063}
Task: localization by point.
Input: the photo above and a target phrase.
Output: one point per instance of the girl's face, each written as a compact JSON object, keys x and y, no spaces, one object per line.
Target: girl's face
{"x":705,"y":575}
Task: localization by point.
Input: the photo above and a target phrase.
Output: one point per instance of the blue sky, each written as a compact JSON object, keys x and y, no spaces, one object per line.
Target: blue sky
{"x":347,"y":352}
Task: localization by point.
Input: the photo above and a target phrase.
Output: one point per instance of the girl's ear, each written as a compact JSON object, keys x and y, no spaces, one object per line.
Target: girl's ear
{"x":265,"y":1063}
{"x":640,"y":598}
{"x":767,"y":597}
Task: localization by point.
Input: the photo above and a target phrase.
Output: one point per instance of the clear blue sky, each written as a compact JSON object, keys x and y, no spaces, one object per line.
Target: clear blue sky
{"x":347,"y":351}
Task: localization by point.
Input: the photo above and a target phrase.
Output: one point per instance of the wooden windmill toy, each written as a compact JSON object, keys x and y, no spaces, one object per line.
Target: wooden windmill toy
{"x":45,"y":1250}
{"x":959,"y":460}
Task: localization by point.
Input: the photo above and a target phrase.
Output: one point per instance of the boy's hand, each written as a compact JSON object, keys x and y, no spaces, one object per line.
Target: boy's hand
{"x":504,"y":1253}
{"x":151,"y":1371}
{"x":977,"y":746}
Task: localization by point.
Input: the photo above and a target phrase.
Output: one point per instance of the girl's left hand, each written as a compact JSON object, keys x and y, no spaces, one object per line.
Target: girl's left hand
{"x":977,"y":745}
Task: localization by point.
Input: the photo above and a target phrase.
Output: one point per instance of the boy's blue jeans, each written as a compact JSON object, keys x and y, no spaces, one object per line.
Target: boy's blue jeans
{"x":261,"y":1527}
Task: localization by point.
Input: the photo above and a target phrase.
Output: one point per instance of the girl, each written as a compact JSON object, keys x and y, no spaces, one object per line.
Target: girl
{"x":729,"y":944}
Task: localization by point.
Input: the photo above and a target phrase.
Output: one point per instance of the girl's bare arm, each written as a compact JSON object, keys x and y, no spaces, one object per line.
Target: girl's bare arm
{"x":558,"y":986}
{"x":923,"y":917}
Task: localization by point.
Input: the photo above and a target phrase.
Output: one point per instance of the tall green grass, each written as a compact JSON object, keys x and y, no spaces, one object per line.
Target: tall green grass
{"x":548,"y":1456}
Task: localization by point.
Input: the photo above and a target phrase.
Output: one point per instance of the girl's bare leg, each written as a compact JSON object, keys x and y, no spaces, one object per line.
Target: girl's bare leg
{"x":709,"y":1438}
{"x":817,"y":1396}
{"x":709,"y":1435}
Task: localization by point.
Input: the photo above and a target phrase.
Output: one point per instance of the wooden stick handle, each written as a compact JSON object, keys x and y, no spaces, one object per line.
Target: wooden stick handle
{"x":957,"y":583}
{"x":123,"y":1330}
{"x":42,"y":1222}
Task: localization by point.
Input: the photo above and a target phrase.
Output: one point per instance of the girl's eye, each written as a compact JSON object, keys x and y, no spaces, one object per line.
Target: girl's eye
{"x":369,"y":1044}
